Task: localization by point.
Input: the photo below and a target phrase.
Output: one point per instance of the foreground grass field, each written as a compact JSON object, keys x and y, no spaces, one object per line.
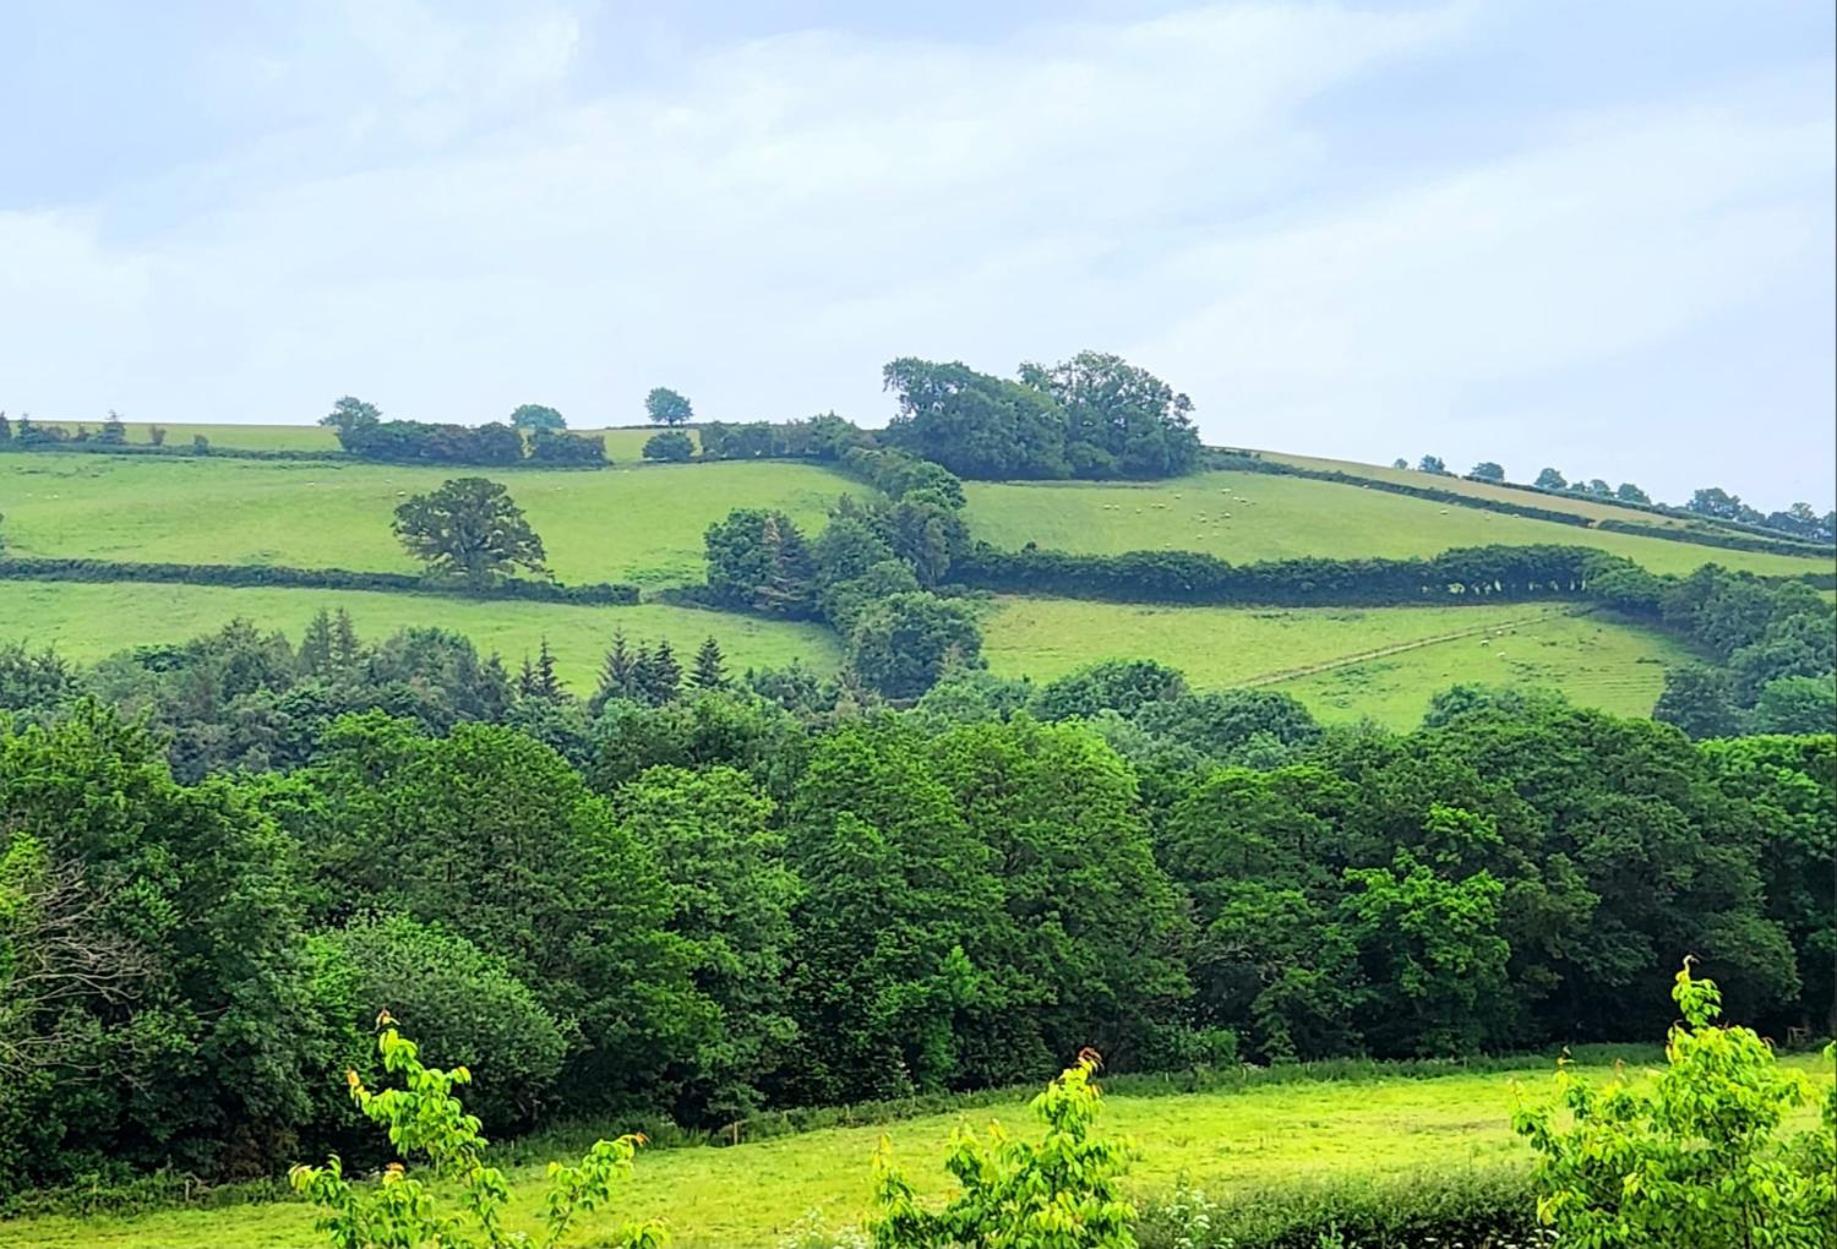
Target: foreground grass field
{"x":1244,"y":517}
{"x":753,"y":1195}
{"x":622,"y":443}
{"x":1325,"y":656}
{"x":634,"y":524}
{"x":87,"y":622}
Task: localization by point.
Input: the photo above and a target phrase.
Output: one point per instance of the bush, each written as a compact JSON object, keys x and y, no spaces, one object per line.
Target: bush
{"x":467,"y":1007}
{"x":672,"y":446}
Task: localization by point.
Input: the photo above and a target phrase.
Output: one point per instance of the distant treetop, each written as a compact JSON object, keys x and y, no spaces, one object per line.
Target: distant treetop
{"x":665,"y":407}
{"x":530,"y":417}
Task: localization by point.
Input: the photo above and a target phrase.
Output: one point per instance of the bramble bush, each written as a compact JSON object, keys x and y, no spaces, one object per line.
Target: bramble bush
{"x":425,"y":1117}
{"x":1699,"y":1159}
{"x":1060,"y":1193}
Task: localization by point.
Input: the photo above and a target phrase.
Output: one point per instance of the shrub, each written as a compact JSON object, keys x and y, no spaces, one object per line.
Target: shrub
{"x":672,"y":446}
{"x":1698,"y":1159}
{"x":425,"y":1117}
{"x":1063,"y":1192}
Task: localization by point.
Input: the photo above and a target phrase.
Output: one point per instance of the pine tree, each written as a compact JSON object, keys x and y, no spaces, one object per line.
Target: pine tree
{"x":526,"y":680}
{"x":315,"y":656}
{"x":547,"y":686}
{"x":6,"y":428}
{"x":346,"y":649}
{"x":659,"y":676}
{"x":789,"y":583}
{"x":618,"y":672}
{"x":710,"y":669}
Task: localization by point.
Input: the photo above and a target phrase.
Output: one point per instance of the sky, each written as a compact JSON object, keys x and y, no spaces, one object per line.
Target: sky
{"x":1594,"y":236}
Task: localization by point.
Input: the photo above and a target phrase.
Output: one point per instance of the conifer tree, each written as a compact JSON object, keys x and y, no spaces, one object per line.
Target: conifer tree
{"x":315,"y":655}
{"x":659,"y":676}
{"x":710,"y":671}
{"x":346,"y":649}
{"x":618,"y":671}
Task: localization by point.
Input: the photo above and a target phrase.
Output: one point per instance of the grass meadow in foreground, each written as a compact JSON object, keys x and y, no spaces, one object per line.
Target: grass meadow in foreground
{"x":1245,"y":517}
{"x":86,"y":622}
{"x":1595,"y":659}
{"x":753,"y":1195}
{"x":623,"y":524}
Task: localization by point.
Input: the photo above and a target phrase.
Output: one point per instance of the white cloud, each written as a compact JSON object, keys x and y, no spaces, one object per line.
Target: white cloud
{"x":453,"y":220}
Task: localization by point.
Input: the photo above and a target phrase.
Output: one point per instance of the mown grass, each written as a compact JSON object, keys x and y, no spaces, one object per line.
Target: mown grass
{"x":1245,"y":517}
{"x":755,"y":1194}
{"x":622,"y":442}
{"x":623,"y":524}
{"x":1596,"y":660}
{"x":87,"y":622}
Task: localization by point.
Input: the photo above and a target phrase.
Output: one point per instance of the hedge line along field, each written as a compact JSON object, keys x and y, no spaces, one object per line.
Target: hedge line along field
{"x":86,"y":622}
{"x":1245,"y":517}
{"x":1576,"y":505}
{"x":625,"y":442}
{"x":755,"y":1196}
{"x":622,"y":524}
{"x":1592,"y":657}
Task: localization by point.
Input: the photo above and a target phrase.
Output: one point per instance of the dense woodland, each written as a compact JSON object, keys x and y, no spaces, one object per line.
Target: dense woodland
{"x":701,"y":893}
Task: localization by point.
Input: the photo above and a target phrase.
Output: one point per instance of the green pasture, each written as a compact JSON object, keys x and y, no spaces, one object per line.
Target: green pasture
{"x":1245,"y":517}
{"x":87,"y":622}
{"x":622,"y":442}
{"x":623,"y":524}
{"x":1333,"y":658}
{"x":751,"y":1196}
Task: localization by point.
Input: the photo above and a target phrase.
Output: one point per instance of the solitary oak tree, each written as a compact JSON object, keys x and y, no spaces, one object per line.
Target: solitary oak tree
{"x":469,"y":528}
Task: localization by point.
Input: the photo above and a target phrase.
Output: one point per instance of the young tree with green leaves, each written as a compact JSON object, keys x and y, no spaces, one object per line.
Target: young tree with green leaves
{"x":1699,"y":1158}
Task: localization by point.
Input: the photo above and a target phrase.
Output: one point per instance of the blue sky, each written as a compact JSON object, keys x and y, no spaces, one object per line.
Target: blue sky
{"x":1592,"y":235}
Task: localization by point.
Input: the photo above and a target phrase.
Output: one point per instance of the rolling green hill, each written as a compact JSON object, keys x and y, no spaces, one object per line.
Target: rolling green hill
{"x":622,"y":524}
{"x":645,"y":524}
{"x":1344,"y":663}
{"x":1244,"y":517}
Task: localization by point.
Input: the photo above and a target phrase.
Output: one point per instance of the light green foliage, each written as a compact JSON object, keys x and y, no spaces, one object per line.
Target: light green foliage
{"x":1061,"y":1192}
{"x":1697,"y":1159}
{"x":425,"y":1117}
{"x":1244,"y":517}
{"x":469,"y":527}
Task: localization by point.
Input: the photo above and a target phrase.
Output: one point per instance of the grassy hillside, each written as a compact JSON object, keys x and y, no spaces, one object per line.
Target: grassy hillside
{"x":86,"y":622}
{"x":637,"y":524}
{"x":1243,"y":517}
{"x":750,"y":1196}
{"x":1594,"y":659}
{"x":1578,"y":505}
{"x":623,"y":443}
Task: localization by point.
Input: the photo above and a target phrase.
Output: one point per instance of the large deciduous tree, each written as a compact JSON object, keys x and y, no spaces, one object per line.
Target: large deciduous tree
{"x":469,"y":528}
{"x":665,"y":407}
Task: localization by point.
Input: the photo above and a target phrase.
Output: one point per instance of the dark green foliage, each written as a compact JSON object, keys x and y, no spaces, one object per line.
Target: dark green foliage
{"x":152,"y":1005}
{"x":758,"y":560}
{"x":1431,"y":464}
{"x":469,"y":528}
{"x":671,"y":446}
{"x":558,"y":447}
{"x":311,"y":578}
{"x":901,"y":644}
{"x":710,"y":832}
{"x":710,"y":671}
{"x":1551,"y":479}
{"x":531,"y":417}
{"x":1121,"y":685}
{"x":1486,"y":470}
{"x":464,"y":1004}
{"x":494,"y":837}
{"x":1120,"y":420}
{"x":1700,"y":700}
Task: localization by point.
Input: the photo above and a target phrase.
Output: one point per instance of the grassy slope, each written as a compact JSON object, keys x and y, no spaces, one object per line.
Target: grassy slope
{"x":1594,"y":659}
{"x":1578,"y":505}
{"x":86,"y":622}
{"x":751,"y":1195}
{"x":1245,"y":517}
{"x":624,"y":443}
{"x":642,"y":524}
